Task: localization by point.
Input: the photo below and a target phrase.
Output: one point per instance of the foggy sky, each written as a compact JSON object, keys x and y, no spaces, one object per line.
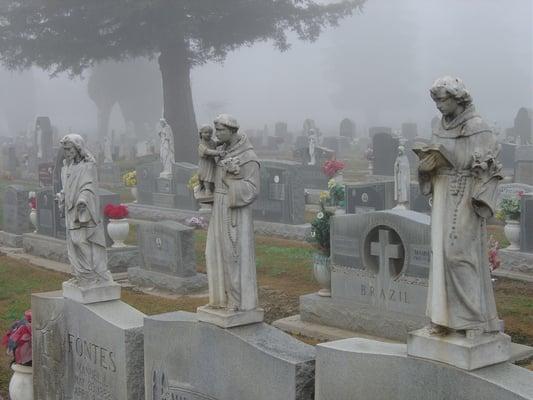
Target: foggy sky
{"x":376,"y":68}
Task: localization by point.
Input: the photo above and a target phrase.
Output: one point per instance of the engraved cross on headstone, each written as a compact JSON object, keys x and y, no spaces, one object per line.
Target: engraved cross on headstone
{"x":385,"y":251}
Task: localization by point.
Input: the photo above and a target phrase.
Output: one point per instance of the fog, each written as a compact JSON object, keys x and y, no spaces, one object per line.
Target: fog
{"x":375,"y":68}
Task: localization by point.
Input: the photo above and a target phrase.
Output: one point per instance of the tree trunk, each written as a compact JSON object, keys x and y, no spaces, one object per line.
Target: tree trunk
{"x":177,"y":101}
{"x":103,"y":114}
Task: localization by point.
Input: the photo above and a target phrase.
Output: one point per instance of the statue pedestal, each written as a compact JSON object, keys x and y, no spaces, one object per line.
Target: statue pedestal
{"x":457,"y":350}
{"x":91,"y":294}
{"x":227,"y":318}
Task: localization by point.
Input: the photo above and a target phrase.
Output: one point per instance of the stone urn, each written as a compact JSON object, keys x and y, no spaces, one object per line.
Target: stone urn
{"x":135,"y":193}
{"x":322,"y":274}
{"x":21,"y":384}
{"x":512,"y":233}
{"x":118,"y":230}
{"x":33,"y":218}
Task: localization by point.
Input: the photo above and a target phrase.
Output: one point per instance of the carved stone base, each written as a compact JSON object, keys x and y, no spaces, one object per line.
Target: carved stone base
{"x":92,"y":294}
{"x":457,"y":350}
{"x":227,"y":318}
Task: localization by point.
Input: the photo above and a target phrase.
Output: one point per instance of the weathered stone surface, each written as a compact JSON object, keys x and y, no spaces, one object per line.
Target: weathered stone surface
{"x":175,"y":284}
{"x":524,"y":165}
{"x":93,"y":294}
{"x":118,"y":258}
{"x":359,"y":317}
{"x":286,"y":231}
{"x":516,"y":261}
{"x":364,"y":369}
{"x":10,"y":239}
{"x":369,"y":196}
{"x":48,"y":345}
{"x":457,"y":350}
{"x":228,"y":318}
{"x":207,"y":362}
{"x":87,"y":351}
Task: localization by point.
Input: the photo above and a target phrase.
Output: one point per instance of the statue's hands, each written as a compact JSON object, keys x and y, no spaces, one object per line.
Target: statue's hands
{"x":428,"y":163}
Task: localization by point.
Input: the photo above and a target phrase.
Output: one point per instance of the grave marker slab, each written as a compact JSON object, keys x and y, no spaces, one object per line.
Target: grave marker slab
{"x":369,"y":196}
{"x":385,"y":151}
{"x":16,"y":210}
{"x":167,"y":258}
{"x":524,"y":165}
{"x":526,"y":234}
{"x":380,"y":270}
{"x":282,"y":195}
{"x":46,"y":174}
{"x":92,"y":351}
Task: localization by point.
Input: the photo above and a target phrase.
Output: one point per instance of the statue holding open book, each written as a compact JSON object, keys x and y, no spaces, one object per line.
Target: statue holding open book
{"x":460,"y":172}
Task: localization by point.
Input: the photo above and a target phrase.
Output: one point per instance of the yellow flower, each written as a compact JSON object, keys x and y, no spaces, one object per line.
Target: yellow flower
{"x":130,"y":178}
{"x":193,"y":182}
{"x":324,"y":195}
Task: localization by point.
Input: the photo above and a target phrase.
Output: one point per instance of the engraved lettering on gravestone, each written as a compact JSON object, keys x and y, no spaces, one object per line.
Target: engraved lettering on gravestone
{"x":92,"y":365}
{"x":419,"y":259}
{"x":345,"y":251}
{"x":163,"y":389}
{"x":392,"y":295}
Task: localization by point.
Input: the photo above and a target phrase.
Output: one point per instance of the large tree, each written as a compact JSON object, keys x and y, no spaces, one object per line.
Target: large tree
{"x":71,"y":35}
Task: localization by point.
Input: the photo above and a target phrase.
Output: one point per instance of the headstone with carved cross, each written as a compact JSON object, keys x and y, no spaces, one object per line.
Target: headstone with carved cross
{"x":380,"y":268}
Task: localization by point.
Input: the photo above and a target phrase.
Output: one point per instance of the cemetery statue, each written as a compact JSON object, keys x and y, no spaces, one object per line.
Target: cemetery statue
{"x":207,"y":151}
{"x":313,"y":138}
{"x":85,"y":230}
{"x":230,"y":254}
{"x":166,"y":151}
{"x":108,"y":151}
{"x":39,"y":140}
{"x":402,"y":179}
{"x":459,"y":170}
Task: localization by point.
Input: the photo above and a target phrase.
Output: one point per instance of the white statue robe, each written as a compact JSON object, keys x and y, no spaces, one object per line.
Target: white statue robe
{"x":166,"y":151}
{"x":460,"y":292}
{"x":230,"y":253}
{"x":85,"y":230}
{"x":402,"y":179}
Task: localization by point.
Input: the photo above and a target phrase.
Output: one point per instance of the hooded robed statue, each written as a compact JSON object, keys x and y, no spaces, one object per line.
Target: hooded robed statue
{"x":85,"y":230}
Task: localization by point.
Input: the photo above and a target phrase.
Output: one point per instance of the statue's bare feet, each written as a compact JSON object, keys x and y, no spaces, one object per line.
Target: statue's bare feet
{"x":438,"y":330}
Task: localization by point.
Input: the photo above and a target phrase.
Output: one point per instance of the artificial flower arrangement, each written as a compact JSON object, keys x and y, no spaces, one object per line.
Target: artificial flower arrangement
{"x":336,"y":193}
{"x":196,"y":222}
{"x":194,"y":181}
{"x":32,"y":200}
{"x":510,"y":208}
{"x":130,"y":179}
{"x":320,"y":230}
{"x":17,"y":340}
{"x":332,"y":167}
{"x":116,"y":211}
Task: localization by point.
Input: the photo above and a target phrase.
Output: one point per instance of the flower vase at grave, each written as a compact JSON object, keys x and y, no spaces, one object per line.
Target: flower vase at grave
{"x":21,"y":383}
{"x":512,"y":233}
{"x":118,"y":230}
{"x":322,"y":274}
{"x":134,"y":193}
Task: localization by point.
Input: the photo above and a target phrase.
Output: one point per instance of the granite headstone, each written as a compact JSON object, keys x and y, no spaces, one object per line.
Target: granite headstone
{"x":167,"y":258}
{"x":16,"y":210}
{"x":369,"y":196}
{"x":526,"y":215}
{"x":347,"y":128}
{"x":379,"y":275}
{"x":385,"y":151}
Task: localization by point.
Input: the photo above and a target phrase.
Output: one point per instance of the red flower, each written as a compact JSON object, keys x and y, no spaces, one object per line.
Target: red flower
{"x":520,"y":194}
{"x":18,"y":340}
{"x":114,"y":211}
{"x":331,"y":167}
{"x":33,"y":203}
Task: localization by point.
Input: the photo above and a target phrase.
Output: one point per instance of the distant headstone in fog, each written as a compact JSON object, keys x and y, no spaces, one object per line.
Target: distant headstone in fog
{"x":409,"y":130}
{"x":385,"y":150}
{"x":44,"y":139}
{"x":280,"y":129}
{"x":523,"y":126}
{"x":372,"y":131}
{"x":347,"y":128}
